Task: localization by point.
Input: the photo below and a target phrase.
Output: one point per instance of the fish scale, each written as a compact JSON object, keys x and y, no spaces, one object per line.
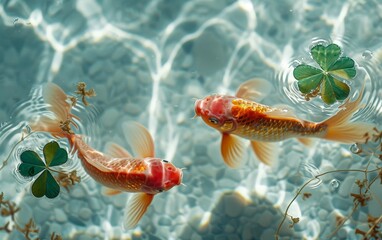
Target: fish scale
{"x":254,"y":124}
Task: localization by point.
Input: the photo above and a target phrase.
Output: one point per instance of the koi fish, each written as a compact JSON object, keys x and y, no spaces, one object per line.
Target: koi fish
{"x":240,"y":116}
{"x":118,"y":171}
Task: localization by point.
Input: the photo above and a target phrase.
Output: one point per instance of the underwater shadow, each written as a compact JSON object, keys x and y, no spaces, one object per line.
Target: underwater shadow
{"x":236,"y":217}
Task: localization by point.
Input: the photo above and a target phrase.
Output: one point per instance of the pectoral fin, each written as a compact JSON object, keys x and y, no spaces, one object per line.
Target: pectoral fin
{"x":266,"y":152}
{"x":232,"y":149}
{"x":110,"y":191}
{"x":136,"y":208}
{"x":117,"y":151}
{"x":255,"y":89}
{"x":139,"y":139}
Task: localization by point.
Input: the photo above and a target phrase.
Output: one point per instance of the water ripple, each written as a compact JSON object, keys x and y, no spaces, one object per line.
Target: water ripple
{"x":367,"y":73}
{"x":16,"y":136}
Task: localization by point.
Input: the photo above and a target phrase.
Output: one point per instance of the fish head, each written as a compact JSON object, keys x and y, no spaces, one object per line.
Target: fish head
{"x":162,"y":176}
{"x":172,"y":175}
{"x":215,"y":110}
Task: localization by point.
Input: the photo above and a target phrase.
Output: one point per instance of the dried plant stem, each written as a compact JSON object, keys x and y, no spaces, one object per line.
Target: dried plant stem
{"x":356,"y":204}
{"x":5,"y":162}
{"x":316,"y":178}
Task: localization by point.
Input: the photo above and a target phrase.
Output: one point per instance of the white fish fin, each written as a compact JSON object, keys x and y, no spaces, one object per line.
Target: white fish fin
{"x":117,"y":151}
{"x":306,"y":141}
{"x":56,"y":101}
{"x":136,"y":208}
{"x":232,"y":150}
{"x":139,"y":139}
{"x":109,"y":191}
{"x":255,"y":89}
{"x":266,"y":152}
{"x":342,"y":130}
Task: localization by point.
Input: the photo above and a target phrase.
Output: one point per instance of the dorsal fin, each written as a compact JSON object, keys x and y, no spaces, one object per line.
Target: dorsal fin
{"x":255,"y":89}
{"x":115,"y":150}
{"x":139,"y":139}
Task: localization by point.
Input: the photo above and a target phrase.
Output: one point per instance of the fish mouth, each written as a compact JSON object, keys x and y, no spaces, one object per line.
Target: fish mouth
{"x":198,"y":108}
{"x":180,"y":177}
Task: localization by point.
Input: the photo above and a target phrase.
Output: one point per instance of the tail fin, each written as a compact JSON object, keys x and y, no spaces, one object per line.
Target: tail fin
{"x":340,"y":128}
{"x":54,"y":124}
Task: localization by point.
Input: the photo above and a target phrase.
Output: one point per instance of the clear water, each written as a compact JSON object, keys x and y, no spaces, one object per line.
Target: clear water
{"x":148,"y":61}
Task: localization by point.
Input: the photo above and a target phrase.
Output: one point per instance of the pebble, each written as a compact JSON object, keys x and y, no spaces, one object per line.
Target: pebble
{"x":204,"y":203}
{"x":119,"y":201}
{"x":346,"y":186}
{"x":208,"y":54}
{"x":85,"y":213}
{"x":233,"y":205}
{"x":322,"y":214}
{"x":132,"y":109}
{"x":164,"y":221}
{"x":94,"y":204}
{"x":110,"y":117}
{"x":60,"y":215}
{"x":247,"y":232}
{"x":341,"y":203}
{"x":266,"y":218}
{"x":77,"y":192}
{"x":24,"y":214}
{"x":268,"y":234}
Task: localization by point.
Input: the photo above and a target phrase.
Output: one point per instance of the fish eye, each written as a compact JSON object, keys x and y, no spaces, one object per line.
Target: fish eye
{"x":164,"y":160}
{"x":213,"y":120}
{"x":160,"y":190}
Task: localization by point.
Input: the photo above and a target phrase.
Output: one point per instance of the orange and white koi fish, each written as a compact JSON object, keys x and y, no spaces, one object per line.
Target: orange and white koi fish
{"x":119,"y":171}
{"x":239,"y":116}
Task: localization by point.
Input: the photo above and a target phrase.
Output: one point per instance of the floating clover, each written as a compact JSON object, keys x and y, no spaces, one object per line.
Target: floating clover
{"x":326,"y":79}
{"x":32,"y":164}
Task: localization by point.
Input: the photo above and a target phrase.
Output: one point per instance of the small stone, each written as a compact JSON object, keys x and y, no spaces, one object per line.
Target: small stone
{"x":78,"y":192}
{"x":265,"y":219}
{"x":164,"y":221}
{"x":94,"y":204}
{"x":85,"y":214}
{"x":233,"y":205}
{"x":60,"y":215}
{"x":229,"y":229}
{"x":119,"y":201}
{"x":346,"y":186}
{"x":110,"y":117}
{"x":204,"y":203}
{"x":322,"y":214}
{"x":268,"y":234}
{"x":132,"y":109}
{"x":247,"y":232}
{"x":341,"y":203}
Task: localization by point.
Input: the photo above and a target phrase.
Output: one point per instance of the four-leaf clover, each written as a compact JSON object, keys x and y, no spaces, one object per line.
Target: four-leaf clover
{"x":326,"y":79}
{"x":32,"y":164}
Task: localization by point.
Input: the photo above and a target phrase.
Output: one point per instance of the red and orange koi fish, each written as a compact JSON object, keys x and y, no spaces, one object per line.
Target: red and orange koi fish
{"x":239,"y":116}
{"x":119,"y":171}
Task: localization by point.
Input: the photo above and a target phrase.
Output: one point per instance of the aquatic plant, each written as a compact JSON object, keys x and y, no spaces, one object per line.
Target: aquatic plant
{"x":326,"y":80}
{"x":83,"y":93}
{"x":46,"y":184}
{"x":9,"y":209}
{"x":360,"y":198}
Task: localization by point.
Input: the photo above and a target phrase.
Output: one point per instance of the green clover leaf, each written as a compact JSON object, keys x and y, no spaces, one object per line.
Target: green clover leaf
{"x":327,"y":79}
{"x":32,"y":164}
